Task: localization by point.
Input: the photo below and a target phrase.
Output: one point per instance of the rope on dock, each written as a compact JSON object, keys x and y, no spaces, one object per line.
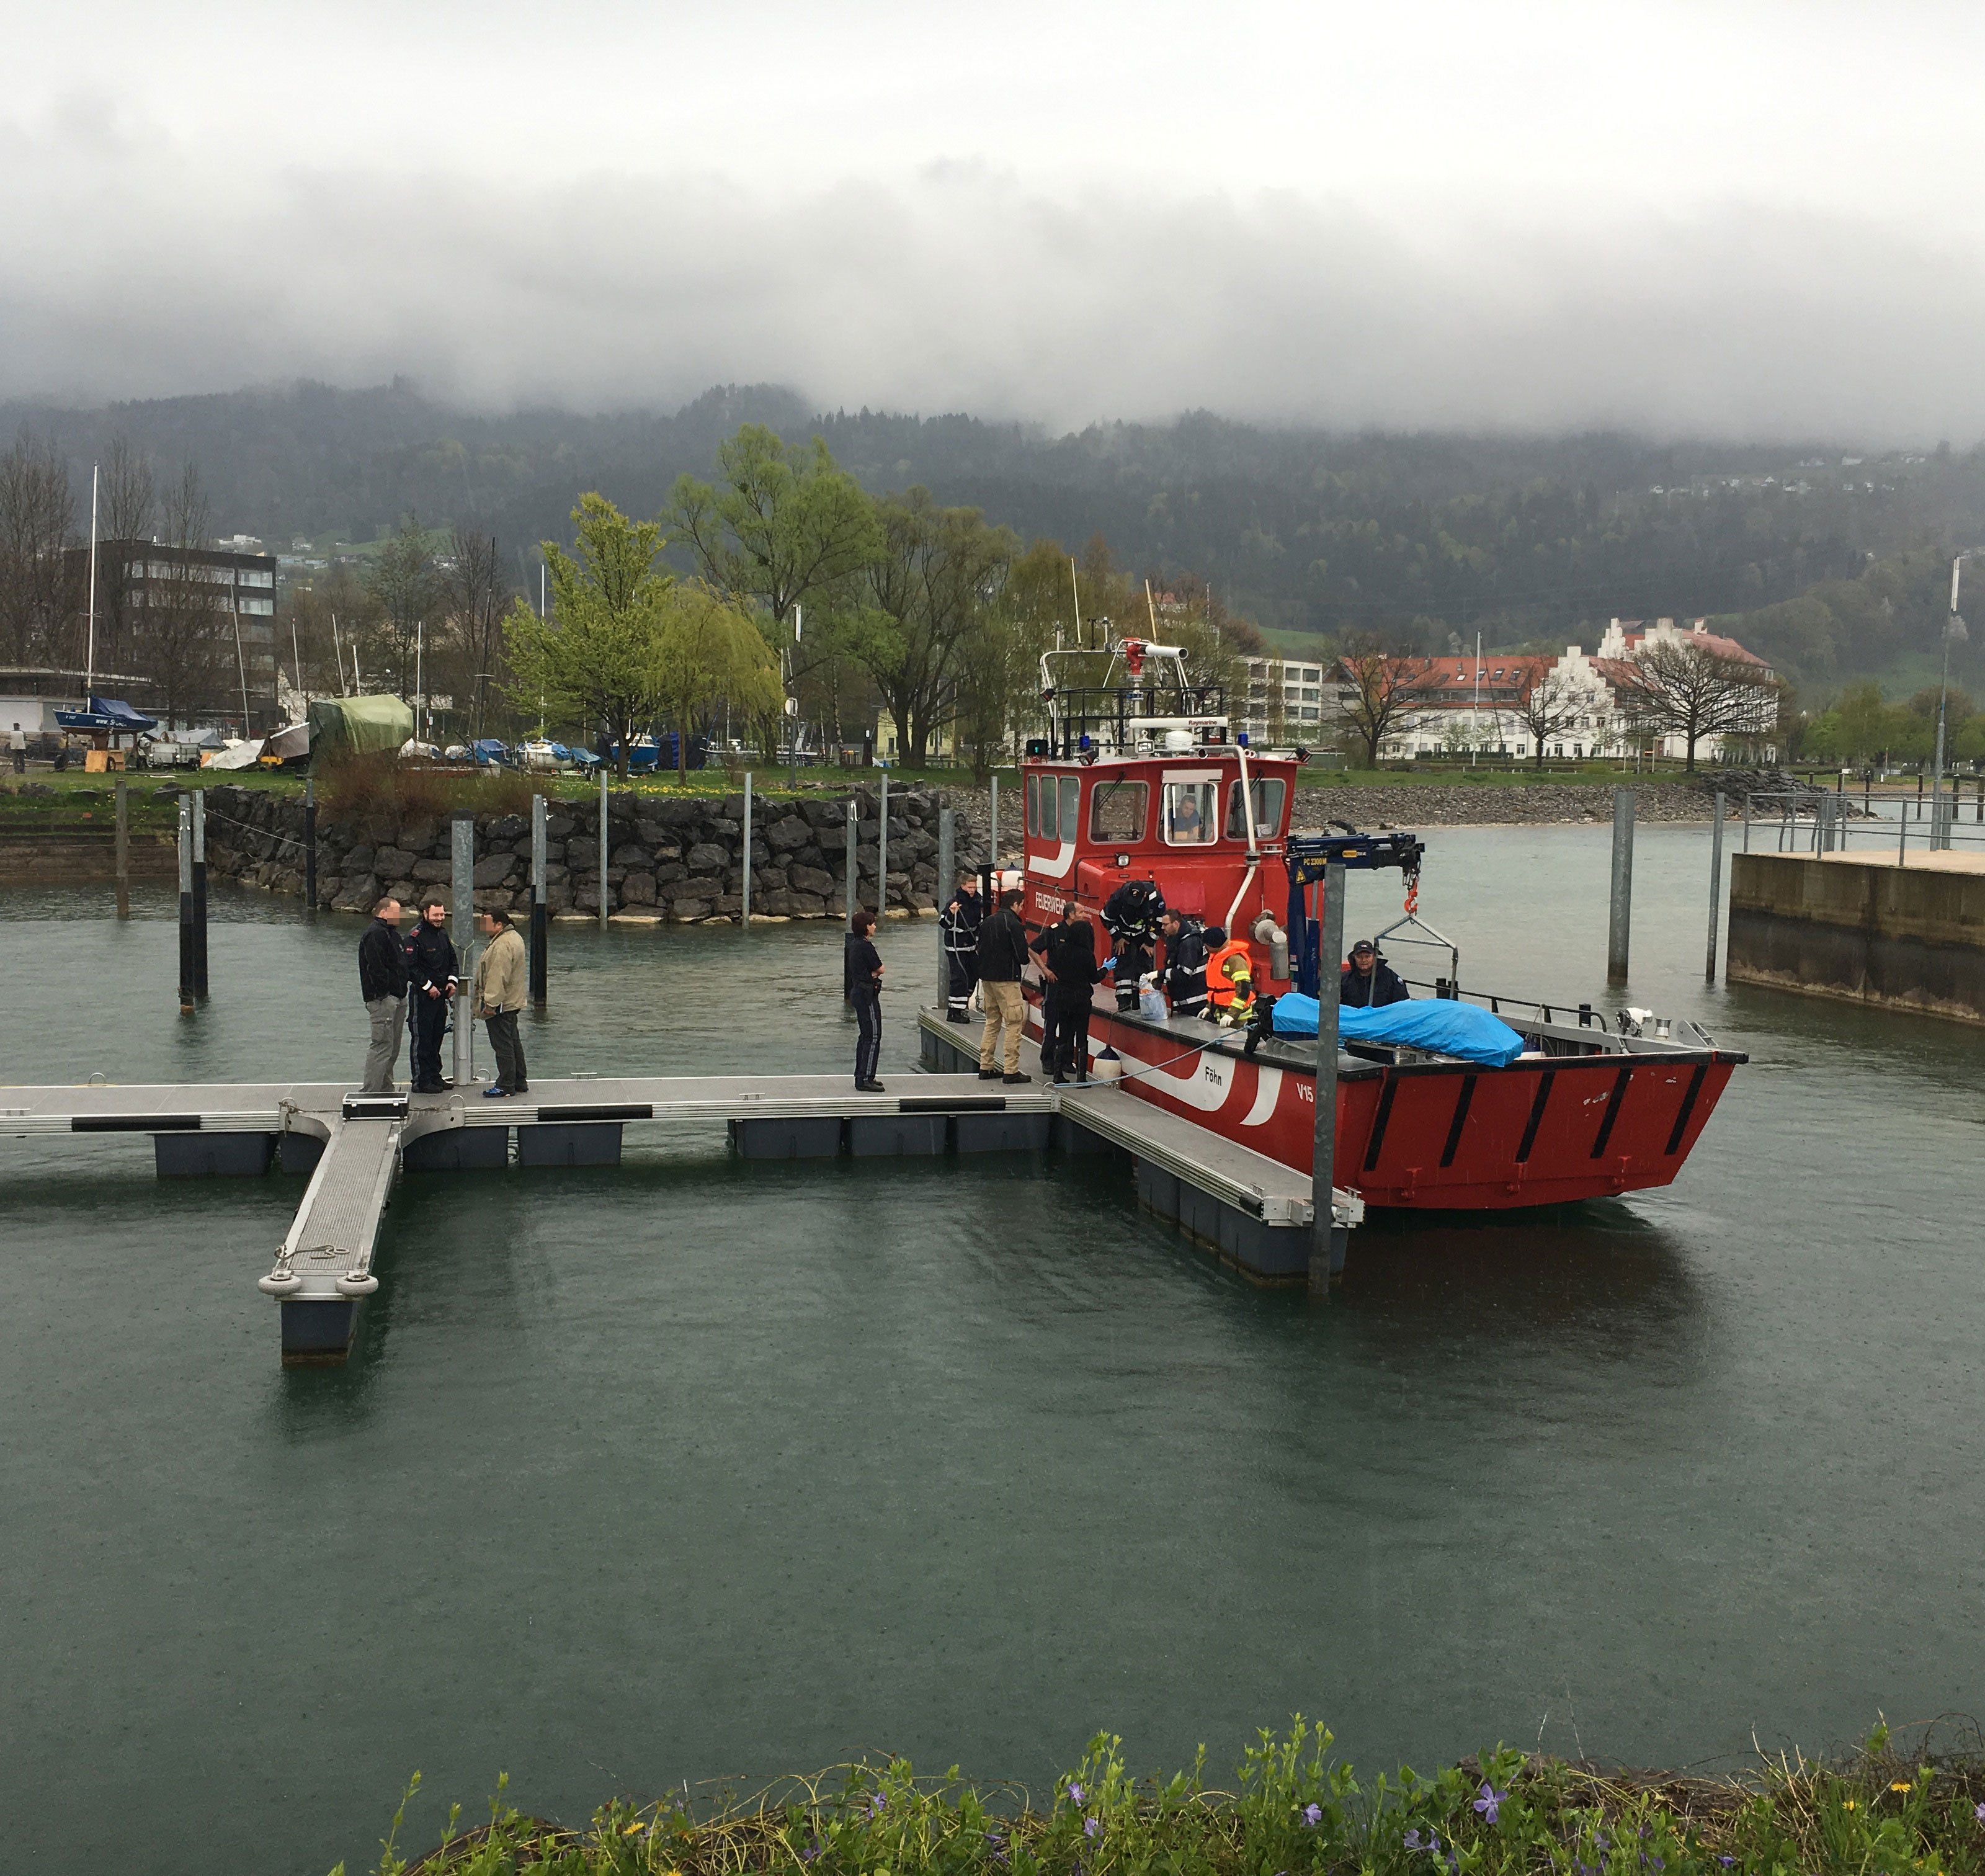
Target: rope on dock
{"x":268,"y":833}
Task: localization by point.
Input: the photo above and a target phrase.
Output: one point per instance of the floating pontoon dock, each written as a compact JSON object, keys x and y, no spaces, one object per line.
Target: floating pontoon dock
{"x":1254,"y":1211}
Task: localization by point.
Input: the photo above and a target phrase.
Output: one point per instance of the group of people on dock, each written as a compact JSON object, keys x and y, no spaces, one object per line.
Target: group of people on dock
{"x":408,"y":981}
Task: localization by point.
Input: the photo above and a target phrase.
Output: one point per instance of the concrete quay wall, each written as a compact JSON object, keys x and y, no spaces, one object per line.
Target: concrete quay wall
{"x":1864,"y":929}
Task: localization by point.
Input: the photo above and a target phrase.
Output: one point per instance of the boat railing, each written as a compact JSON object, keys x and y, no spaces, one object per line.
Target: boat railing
{"x":1109,"y":718}
{"x":1627,"y":1025}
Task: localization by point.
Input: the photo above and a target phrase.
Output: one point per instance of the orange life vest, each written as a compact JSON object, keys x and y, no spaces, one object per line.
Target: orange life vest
{"x":1231,"y":961}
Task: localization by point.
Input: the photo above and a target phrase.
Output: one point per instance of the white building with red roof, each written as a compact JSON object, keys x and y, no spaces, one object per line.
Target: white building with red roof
{"x":1493,"y":704}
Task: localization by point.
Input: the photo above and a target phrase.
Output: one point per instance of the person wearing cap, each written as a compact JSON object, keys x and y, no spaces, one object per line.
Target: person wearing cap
{"x":1367,"y":981}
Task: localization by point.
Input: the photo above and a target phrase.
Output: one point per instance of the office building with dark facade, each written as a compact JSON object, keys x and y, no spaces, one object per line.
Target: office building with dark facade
{"x":134,"y":577}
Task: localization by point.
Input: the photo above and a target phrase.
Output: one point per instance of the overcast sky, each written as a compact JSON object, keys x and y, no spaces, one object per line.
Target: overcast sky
{"x":1743,"y":219}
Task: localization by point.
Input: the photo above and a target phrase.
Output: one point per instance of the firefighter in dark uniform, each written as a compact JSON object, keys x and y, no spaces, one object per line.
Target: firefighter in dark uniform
{"x":1188,"y":944}
{"x":432,"y":969}
{"x":960,"y":922}
{"x":1130,"y":916}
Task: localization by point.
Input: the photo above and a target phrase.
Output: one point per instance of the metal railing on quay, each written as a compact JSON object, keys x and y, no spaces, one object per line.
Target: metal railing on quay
{"x":1833,"y":821}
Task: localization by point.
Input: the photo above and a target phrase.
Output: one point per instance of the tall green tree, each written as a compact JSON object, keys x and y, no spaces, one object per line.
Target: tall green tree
{"x":924,"y":597}
{"x":597,"y":660}
{"x":782,"y":527}
{"x":708,"y":651}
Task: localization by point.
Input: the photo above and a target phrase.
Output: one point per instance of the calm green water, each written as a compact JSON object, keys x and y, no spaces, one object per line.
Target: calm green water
{"x":692,"y":1470}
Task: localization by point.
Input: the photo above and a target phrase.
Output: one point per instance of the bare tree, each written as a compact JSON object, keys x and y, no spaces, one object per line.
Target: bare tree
{"x":41,"y":590}
{"x":1383,"y":693}
{"x":127,"y":509}
{"x":478,"y":595}
{"x":403,"y":581}
{"x":180,"y":634}
{"x":1549,"y":705}
{"x":1694,"y":691}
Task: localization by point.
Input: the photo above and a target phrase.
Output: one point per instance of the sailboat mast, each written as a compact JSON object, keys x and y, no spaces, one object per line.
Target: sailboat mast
{"x":89,"y":660}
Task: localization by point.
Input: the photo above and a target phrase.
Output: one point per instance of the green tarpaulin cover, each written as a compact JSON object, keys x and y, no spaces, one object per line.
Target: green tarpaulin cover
{"x":358,"y":725}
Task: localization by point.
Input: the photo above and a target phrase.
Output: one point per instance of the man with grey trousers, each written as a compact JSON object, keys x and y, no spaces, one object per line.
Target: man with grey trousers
{"x":382,"y":983}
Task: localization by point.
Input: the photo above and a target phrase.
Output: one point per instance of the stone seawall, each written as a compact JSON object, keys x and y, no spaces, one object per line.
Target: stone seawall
{"x":1486,"y":804}
{"x":677,"y":860}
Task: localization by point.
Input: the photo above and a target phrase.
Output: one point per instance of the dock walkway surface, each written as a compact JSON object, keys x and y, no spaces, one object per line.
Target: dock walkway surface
{"x":1253,"y":1210}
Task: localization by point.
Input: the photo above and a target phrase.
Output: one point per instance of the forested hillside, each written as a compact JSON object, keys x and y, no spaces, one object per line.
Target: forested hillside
{"x":1420,"y":538}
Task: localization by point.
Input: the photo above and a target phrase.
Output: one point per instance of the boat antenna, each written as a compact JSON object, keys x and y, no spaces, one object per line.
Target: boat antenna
{"x":1151,"y":605}
{"x":1075,"y":589}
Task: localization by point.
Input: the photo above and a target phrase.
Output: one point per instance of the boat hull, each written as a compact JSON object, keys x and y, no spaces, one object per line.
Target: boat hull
{"x":1441,"y":1135}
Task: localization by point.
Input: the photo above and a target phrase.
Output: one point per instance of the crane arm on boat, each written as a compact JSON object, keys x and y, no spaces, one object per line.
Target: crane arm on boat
{"x":1307,"y":854}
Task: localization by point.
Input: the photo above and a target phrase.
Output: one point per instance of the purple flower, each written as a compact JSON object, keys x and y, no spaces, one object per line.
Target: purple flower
{"x":1312,"y":1815}
{"x":1490,"y":1802}
{"x":877,"y":1801}
{"x":1727,"y":1862}
{"x":1076,"y":1795}
{"x":1411,"y":1841}
{"x":1091,"y":1827}
{"x":811,"y":1850}
{"x":1979,"y":1814}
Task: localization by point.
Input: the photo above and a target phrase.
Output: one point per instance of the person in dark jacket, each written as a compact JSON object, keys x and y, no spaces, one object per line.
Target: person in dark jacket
{"x":960,"y":922}
{"x":1367,"y":981}
{"x":382,"y":983}
{"x":1067,"y":954}
{"x":1002,"y":960}
{"x":432,"y":977}
{"x":1187,"y":949}
{"x":1130,"y":915}
{"x":861,"y":983}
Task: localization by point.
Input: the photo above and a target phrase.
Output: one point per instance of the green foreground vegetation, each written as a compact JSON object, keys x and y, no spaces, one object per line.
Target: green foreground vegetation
{"x":1294,"y":1809}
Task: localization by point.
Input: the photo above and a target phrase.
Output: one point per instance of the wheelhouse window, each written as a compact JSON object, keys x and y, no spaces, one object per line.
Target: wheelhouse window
{"x":1189,"y":811}
{"x":1054,"y":807}
{"x":1116,"y":810}
{"x":1070,"y":789}
{"x":1267,"y":792}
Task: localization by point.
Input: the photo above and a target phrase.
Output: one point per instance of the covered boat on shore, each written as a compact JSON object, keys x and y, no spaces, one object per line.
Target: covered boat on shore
{"x":1138,"y":781}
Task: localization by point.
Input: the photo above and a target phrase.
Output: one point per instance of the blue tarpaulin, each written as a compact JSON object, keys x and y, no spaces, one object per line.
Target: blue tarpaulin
{"x":1435,"y":1024}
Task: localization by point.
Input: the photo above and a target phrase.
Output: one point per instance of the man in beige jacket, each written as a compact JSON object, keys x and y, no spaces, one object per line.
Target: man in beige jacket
{"x":497,"y":997}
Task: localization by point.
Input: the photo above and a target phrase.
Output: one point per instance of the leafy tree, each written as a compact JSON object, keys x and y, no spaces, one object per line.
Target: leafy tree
{"x":781,"y":526}
{"x":708,"y":651}
{"x":923,"y":598}
{"x":597,"y":660}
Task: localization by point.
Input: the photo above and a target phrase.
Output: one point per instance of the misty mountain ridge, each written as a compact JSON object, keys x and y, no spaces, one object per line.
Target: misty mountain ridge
{"x":1426,"y":535}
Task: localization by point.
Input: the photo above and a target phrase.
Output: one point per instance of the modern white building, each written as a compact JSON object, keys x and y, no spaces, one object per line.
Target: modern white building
{"x":1285,"y":701}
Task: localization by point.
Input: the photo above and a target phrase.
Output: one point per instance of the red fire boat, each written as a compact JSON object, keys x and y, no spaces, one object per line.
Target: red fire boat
{"x":1140,"y":780}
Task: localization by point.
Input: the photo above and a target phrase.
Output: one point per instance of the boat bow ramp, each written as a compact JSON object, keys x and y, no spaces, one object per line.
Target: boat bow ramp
{"x":1255,"y":1211}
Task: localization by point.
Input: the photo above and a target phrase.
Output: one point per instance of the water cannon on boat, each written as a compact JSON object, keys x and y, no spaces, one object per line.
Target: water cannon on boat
{"x":1145,"y":704}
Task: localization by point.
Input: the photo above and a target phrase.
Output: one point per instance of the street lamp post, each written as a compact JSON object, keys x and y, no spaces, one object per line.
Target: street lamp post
{"x":1953,"y":631}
